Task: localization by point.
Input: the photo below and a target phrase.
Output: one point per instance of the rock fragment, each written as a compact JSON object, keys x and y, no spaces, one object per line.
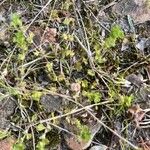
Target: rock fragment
{"x":139,"y":10}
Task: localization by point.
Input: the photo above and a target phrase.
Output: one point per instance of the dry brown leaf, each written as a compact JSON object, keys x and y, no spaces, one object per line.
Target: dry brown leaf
{"x":7,"y":144}
{"x":50,"y":35}
{"x":137,"y":113}
{"x":74,"y":144}
{"x":144,"y":144}
{"x":134,"y":109}
{"x":75,"y":87}
{"x":43,"y":36}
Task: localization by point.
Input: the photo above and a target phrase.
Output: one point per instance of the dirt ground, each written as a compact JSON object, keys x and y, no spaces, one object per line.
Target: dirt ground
{"x":75,"y":74}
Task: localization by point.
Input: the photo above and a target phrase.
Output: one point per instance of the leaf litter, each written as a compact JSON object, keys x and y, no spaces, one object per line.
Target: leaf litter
{"x":119,"y":49}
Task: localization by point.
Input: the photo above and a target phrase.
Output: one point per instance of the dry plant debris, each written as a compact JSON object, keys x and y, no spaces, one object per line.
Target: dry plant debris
{"x":41,"y":36}
{"x":75,"y":87}
{"x":144,"y":144}
{"x":69,"y":72}
{"x":7,"y":144}
{"x":137,"y":114}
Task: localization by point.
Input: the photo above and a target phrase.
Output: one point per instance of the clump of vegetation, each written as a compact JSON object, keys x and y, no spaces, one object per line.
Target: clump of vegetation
{"x":65,"y":56}
{"x":115,"y":34}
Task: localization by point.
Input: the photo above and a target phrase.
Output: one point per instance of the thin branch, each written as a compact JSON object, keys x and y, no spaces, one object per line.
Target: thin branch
{"x":67,"y":114}
{"x":2,"y":2}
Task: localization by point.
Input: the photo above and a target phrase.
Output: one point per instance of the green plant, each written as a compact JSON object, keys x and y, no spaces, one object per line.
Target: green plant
{"x":19,"y":145}
{"x":126,"y":101}
{"x":16,"y":21}
{"x":20,"y":40}
{"x":3,"y":134}
{"x":78,"y":55}
{"x":42,"y":142}
{"x":36,"y":95}
{"x":93,"y":96}
{"x":121,"y":101}
{"x":115,"y":34}
{"x":19,"y":37}
{"x":84,"y":133}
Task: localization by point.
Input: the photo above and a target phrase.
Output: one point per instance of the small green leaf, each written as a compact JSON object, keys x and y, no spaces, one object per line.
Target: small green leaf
{"x":3,"y":134}
{"x":110,"y":42}
{"x":49,"y":66}
{"x":70,"y":37}
{"x":42,"y":143}
{"x":84,"y":83}
{"x":28,"y":136}
{"x":69,"y":53}
{"x":67,"y":21}
{"x":15,"y":20}
{"x":34,"y":117}
{"x":54,"y":14}
{"x":19,"y":146}
{"x":20,"y":40}
{"x":117,"y":32}
{"x":36,"y":95}
{"x":91,"y":73}
{"x":93,"y":96}
{"x":30,"y":37}
{"x":126,"y":101}
{"x":40,"y":127}
{"x":21,"y":56}
{"x":85,"y":133}
{"x":65,"y":36}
